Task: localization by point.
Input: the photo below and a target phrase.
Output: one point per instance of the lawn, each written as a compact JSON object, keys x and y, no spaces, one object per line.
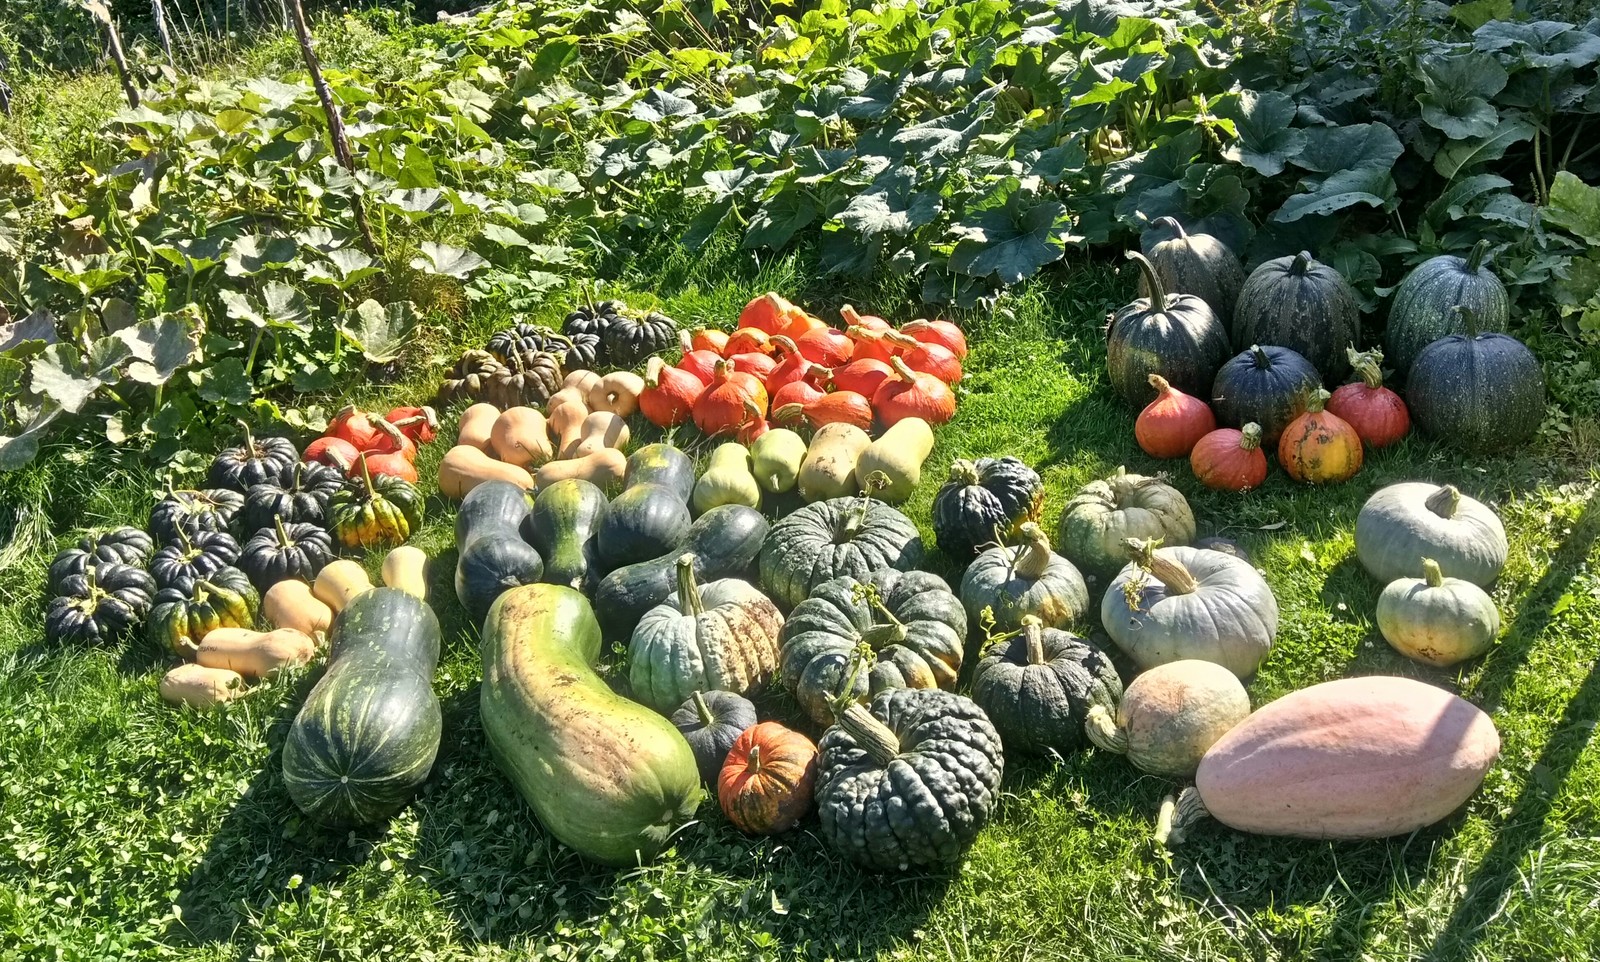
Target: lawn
{"x":129,"y":829}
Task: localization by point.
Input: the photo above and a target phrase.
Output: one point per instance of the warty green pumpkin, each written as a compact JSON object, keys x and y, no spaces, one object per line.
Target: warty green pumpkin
{"x":1437,"y":620}
{"x":191,"y":557}
{"x":192,"y":512}
{"x":1303,"y":305}
{"x":849,"y":537}
{"x":1097,"y":522}
{"x":1197,"y":264}
{"x":253,"y":461}
{"x":124,"y":545}
{"x":100,"y":604}
{"x":1037,"y":685}
{"x":1030,"y":580}
{"x":279,"y":551}
{"x":1403,"y":523}
{"x":1480,"y":391}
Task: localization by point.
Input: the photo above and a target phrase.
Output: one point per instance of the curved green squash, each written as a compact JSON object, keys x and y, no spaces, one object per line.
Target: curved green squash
{"x":1425,"y":303}
{"x":645,"y":521}
{"x":491,"y":566}
{"x":608,"y":777}
{"x":662,"y":464}
{"x":493,"y":507}
{"x":562,"y":526}
{"x":367,"y":735}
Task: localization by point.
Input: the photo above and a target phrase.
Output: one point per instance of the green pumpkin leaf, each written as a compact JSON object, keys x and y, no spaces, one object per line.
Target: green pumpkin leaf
{"x":1544,"y":44}
{"x":1476,"y":13}
{"x":1453,"y":203}
{"x":891,"y":205}
{"x":1010,"y":242}
{"x":223,"y":382}
{"x":253,"y":253}
{"x":38,"y":328}
{"x":1574,"y":206}
{"x":504,"y":236}
{"x":778,"y":220}
{"x":413,"y":202}
{"x":380,"y":330}
{"x":1456,"y":156}
{"x":446,"y":259}
{"x":551,"y":181}
{"x":160,"y":346}
{"x":348,"y":267}
{"x":1265,"y":141}
{"x":1328,"y":149}
{"x":705,"y":224}
{"x":1346,"y":188}
{"x":17,"y":452}
{"x":1457,"y":91}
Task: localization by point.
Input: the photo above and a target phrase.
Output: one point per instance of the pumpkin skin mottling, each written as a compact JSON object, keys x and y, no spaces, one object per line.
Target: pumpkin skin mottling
{"x":1319,"y":447}
{"x":1437,"y":620}
{"x":766,"y":783}
{"x":1423,"y":309}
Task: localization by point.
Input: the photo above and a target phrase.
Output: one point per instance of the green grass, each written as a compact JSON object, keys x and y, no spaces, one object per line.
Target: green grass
{"x":131,"y":829}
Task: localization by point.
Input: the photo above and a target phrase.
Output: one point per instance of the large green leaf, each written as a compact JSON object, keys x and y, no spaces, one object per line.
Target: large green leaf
{"x":891,"y":205}
{"x":69,"y":379}
{"x":380,"y":330}
{"x":253,"y":253}
{"x":1328,"y":149}
{"x":1347,"y":188}
{"x":1456,"y":93}
{"x":223,"y":382}
{"x":446,"y":259}
{"x":1459,"y":155}
{"x":1010,"y":242}
{"x":1265,"y":142}
{"x":779,"y":218}
{"x":1574,"y":206}
{"x":1545,"y":44}
{"x":160,"y":346}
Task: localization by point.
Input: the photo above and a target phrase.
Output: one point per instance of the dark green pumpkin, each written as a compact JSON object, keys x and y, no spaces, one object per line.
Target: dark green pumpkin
{"x":1197,"y":264}
{"x":253,"y":461}
{"x":104,"y":601}
{"x":985,"y":502}
{"x":711,"y":722}
{"x":1303,"y":305}
{"x":1266,"y":385}
{"x":1028,"y":580}
{"x":179,"y":564}
{"x":724,"y":542}
{"x":302,"y":500}
{"x":829,"y":539}
{"x":562,"y":526}
{"x":366,"y":737}
{"x":1424,"y":306}
{"x":191,"y":512}
{"x":1480,"y":391}
{"x":493,"y":508}
{"x":280,"y":551}
{"x":629,"y":338}
{"x":490,"y":566}
{"x":910,"y":782}
{"x":1038,"y":685}
{"x":662,"y":464}
{"x":180,"y":619}
{"x":645,"y":521}
{"x":375,"y":510}
{"x":1174,"y":335}
{"x":125,"y":545}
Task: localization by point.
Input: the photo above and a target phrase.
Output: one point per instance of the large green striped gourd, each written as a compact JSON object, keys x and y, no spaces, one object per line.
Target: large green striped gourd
{"x":1303,"y":305}
{"x":1424,"y":307}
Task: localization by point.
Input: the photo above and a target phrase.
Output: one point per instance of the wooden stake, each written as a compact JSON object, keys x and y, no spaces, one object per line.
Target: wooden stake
{"x":102,"y":13}
{"x":341,"y":146}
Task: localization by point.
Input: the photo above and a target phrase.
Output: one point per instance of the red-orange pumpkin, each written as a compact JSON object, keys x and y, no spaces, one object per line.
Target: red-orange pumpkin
{"x":1319,"y":447}
{"x":669,"y":394}
{"x":1378,"y":414}
{"x":1228,"y":459}
{"x":913,"y":394}
{"x":826,"y":346}
{"x":774,"y":314}
{"x":870,"y":343}
{"x":871,"y":322}
{"x":938,"y":332}
{"x":840,"y":406}
{"x":705,"y":339}
{"x":721,"y":409}
{"x":862,"y":375}
{"x":929,"y":357}
{"x":1172,"y":424}
{"x":748,"y":340}
{"x":765,"y":785}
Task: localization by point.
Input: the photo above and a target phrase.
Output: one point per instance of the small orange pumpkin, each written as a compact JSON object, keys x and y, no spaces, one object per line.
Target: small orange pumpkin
{"x":765,"y":784}
{"x":1172,"y":424}
{"x":1230,"y":460}
{"x":773,"y":313}
{"x":1319,"y":447}
{"x":748,"y":340}
{"x":1377,"y":413}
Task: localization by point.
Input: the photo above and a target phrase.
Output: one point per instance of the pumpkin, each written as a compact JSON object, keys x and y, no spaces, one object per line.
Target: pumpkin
{"x":1425,"y":305}
{"x":1028,"y":581}
{"x":253,"y":461}
{"x":661,"y":463}
{"x":825,"y":346}
{"x":179,"y":620}
{"x":629,"y":339}
{"x":1319,"y":447}
{"x":1378,"y":414}
{"x":528,"y":378}
{"x":1169,"y":426}
{"x":909,"y":623}
{"x":190,"y":558}
{"x":592,"y":319}
{"x":1437,"y":620}
{"x":524,"y":337}
{"x":929,"y":357}
{"x":562,"y":526}
{"x":669,"y":394}
{"x":211,"y":509}
{"x":765,"y":785}
{"x":1403,"y":523}
{"x":304,"y":498}
{"x":1170,"y":716}
{"x":1230,"y":460}
{"x":382,"y":510}
{"x":908,"y":782}
{"x":126,"y":545}
{"x":1098,"y":521}
{"x":645,"y":521}
{"x":985,"y":502}
{"x":1197,"y":264}
{"x":1349,"y":759}
{"x":711,"y":722}
{"x":1481,"y":392}
{"x":1038,"y":684}
{"x":491,"y":565}
{"x":723,"y":636}
{"x":773,"y":313}
{"x":721,"y":409}
{"x":1174,"y":335}
{"x":913,"y":394}
{"x":295,"y":550}
{"x":849,"y":536}
{"x":943,"y":333}
{"x":863,"y":375}
{"x":1189,"y":603}
{"x":1300,"y":304}
{"x":97,"y":605}
{"x":1267,"y":385}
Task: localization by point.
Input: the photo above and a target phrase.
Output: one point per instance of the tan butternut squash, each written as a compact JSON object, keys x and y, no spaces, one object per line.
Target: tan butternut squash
{"x":340,"y":581}
{"x":255,"y":654}
{"x":829,"y":470}
{"x":603,"y":469}
{"x":617,"y":392}
{"x":566,"y":426}
{"x":521,"y":437}
{"x":568,"y":395}
{"x":583,"y":381}
{"x":898,"y":455}
{"x":464,"y":468}
{"x":476,"y":423}
{"x":600,"y":430}
{"x":290,"y":604}
{"x":406,"y":569}
{"x":200,"y":687}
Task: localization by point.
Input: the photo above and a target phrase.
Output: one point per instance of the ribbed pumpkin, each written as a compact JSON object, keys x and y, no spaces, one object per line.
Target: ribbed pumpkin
{"x":1197,"y":264}
{"x":125,"y":545}
{"x":1029,"y":581}
{"x":180,"y":619}
{"x":1437,"y":620}
{"x":852,"y":537}
{"x":1097,"y":522}
{"x":211,"y":509}
{"x":1425,"y":304}
{"x":721,"y":636}
{"x":1170,"y":425}
{"x":304,"y":499}
{"x":1265,"y":384}
{"x":1037,"y":687}
{"x":280,"y":551}
{"x":1481,"y":392}
{"x":711,"y":722}
{"x":375,"y":510}
{"x":766,"y":783}
{"x":1301,"y":304}
{"x":190,"y":558}
{"x":1319,"y":447}
{"x":1170,"y":716}
{"x":1378,"y":414}
{"x":99,"y":603}
{"x":1403,"y":523}
{"x":1174,"y":335}
{"x":1230,"y":460}
{"x":253,"y":461}
{"x":985,"y":502}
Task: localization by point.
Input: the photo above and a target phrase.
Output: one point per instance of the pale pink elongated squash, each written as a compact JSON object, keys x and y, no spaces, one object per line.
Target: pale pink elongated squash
{"x":1348,"y":759}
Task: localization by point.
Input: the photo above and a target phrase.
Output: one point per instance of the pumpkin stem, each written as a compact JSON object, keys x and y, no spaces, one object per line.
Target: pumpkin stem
{"x":753,"y":760}
{"x":652,"y":371}
{"x":875,"y":738}
{"x":1170,"y":223}
{"x":1161,"y":384}
{"x":903,"y":369}
{"x":857,"y":518}
{"x":688,"y":591}
{"x":1479,"y":253}
{"x":1367,"y":365}
{"x":1250,"y":437}
{"x":1302,"y":263}
{"x":1469,"y":319}
{"x":1169,"y":572}
{"x":963,"y":472}
{"x":719,"y":373}
{"x":1103,"y":730}
{"x":1260,"y":356}
{"x":1152,"y":281}
{"x":707,"y":718}
{"x":1316,"y":400}
{"x":1033,"y":559}
{"x":892,"y":633}
{"x":850,"y":316}
{"x":1444,"y":501}
{"x":249,"y":440}
{"x":366,"y":474}
{"x":283,"y":536}
{"x":1178,"y":814}
{"x":685,"y":341}
{"x":390,"y":433}
{"x":784,"y":345}
{"x":1033,"y":634}
{"x":1431,"y":573}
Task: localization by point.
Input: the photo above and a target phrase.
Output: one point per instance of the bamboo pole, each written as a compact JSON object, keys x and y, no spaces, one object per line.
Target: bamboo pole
{"x":341,"y":145}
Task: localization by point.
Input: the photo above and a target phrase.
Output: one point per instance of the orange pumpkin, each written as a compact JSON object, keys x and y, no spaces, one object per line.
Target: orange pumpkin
{"x":1378,"y":414}
{"x":1230,"y":460}
{"x":705,"y":339}
{"x":748,"y":340}
{"x":1319,"y":447}
{"x":765,"y":784}
{"x":773,"y":313}
{"x":1172,"y":424}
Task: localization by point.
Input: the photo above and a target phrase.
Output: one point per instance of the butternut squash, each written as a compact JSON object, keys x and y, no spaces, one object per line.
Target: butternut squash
{"x":599,"y":430}
{"x":521,"y":437}
{"x":603,"y":469}
{"x":618,"y":393}
{"x":899,"y":455}
{"x":829,"y":470}
{"x":476,"y":423}
{"x":291,"y":604}
{"x":583,"y":381}
{"x":566,"y":425}
{"x":464,"y":468}
{"x":200,"y":687}
{"x":255,"y":654}
{"x":727,"y":480}
{"x":340,"y":581}
{"x":406,"y":569}
{"x":568,"y":395}
{"x":775,"y":459}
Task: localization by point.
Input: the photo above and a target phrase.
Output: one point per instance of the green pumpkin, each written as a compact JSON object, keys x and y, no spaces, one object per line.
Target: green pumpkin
{"x":1265,"y":385}
{"x":98,"y":604}
{"x":1026,"y":581}
{"x":180,"y":620}
{"x":565,"y":519}
{"x":853,"y":537}
{"x":1197,"y":264}
{"x":913,"y":626}
{"x":985,"y":502}
{"x":1425,"y":304}
{"x":1097,"y":522}
{"x":711,"y":722}
{"x":1403,"y":523}
{"x":1480,"y":391}
{"x":375,"y":511}
{"x":1037,"y":687}
{"x":1437,"y":620}
{"x":1174,"y":335}
{"x":723,"y":636}
{"x":1305,"y":306}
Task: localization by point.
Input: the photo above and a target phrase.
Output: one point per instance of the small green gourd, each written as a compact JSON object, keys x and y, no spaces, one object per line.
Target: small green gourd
{"x":727,"y":480}
{"x":775,"y":460}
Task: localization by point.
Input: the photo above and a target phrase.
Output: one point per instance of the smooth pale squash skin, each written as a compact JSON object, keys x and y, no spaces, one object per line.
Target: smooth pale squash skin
{"x":600,"y":430}
{"x":1171,"y":715}
{"x":565,"y":414}
{"x":1397,"y":528}
{"x":1349,"y":759}
{"x":775,"y":460}
{"x":199,"y":686}
{"x":899,"y":455}
{"x":290,"y":604}
{"x":829,"y":469}
{"x":465,"y":467}
{"x":617,"y":393}
{"x":520,"y":436}
{"x":255,"y":654}
{"x":1436,"y":620}
{"x":340,"y":581}
{"x":727,"y":480}
{"x":477,"y":424}
{"x":607,"y":776}
{"x":406,"y":569}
